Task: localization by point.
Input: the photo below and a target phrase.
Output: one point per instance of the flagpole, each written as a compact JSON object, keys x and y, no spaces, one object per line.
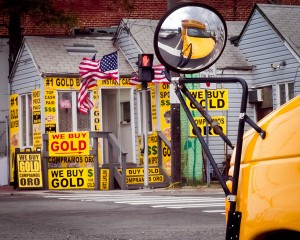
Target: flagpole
{"x":119,"y":112}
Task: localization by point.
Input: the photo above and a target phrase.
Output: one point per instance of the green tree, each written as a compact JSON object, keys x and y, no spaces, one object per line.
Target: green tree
{"x":41,"y":12}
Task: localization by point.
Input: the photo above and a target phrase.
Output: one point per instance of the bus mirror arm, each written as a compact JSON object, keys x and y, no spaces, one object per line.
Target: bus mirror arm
{"x":260,"y":131}
{"x":183,"y":61}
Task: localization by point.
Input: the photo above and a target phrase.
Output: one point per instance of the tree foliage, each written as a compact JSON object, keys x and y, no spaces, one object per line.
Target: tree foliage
{"x":41,"y":12}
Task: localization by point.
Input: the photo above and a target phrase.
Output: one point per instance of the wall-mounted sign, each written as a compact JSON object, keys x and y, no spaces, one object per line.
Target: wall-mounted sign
{"x":14,"y":131}
{"x":65,"y":103}
{"x":201,"y":123}
{"x":36,"y":119}
{"x":69,"y":143}
{"x":216,"y":99}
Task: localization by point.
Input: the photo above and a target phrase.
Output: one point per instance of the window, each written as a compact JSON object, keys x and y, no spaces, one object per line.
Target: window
{"x":69,"y":117}
{"x":26,"y":126}
{"x":125,"y":112}
{"x":140,"y":111}
{"x":285,"y":92}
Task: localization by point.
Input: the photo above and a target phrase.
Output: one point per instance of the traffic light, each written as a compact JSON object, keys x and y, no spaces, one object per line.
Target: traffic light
{"x":145,"y":72}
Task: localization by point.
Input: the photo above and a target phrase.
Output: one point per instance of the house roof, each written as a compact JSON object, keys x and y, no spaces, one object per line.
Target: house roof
{"x":232,"y":57}
{"x":285,"y":20}
{"x":62,"y":55}
{"x":143,"y":33}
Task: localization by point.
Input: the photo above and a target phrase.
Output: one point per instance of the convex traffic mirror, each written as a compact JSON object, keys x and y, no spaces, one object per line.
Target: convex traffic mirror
{"x":190,"y":38}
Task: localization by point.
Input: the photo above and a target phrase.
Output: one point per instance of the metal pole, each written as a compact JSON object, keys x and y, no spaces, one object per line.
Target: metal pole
{"x":145,"y":134}
{"x":207,"y":142}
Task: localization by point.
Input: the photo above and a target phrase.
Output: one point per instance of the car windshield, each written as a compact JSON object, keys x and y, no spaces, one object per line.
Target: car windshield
{"x":197,"y":32}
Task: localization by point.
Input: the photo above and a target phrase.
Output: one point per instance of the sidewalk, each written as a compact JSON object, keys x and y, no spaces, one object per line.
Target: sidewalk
{"x":7,"y":189}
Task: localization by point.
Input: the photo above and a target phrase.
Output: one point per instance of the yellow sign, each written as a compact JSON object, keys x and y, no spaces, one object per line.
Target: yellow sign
{"x":112,"y":82}
{"x":71,"y":178}
{"x":201,"y":123}
{"x":152,"y":150}
{"x":14,"y":131}
{"x":29,"y":170}
{"x":140,"y":179}
{"x":70,"y":161}
{"x":62,"y":83}
{"x":165,"y":121}
{"x":36,"y":121}
{"x":140,"y":171}
{"x":69,"y":143}
{"x":216,"y":99}
{"x":104,"y":179}
{"x":50,"y":111}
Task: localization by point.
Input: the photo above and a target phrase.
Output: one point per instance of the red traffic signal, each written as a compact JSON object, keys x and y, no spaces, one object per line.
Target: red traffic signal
{"x":145,"y":60}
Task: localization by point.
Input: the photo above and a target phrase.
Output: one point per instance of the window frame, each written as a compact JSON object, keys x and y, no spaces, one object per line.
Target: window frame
{"x":286,"y":89}
{"x":28,"y":141}
{"x":140,"y":112}
{"x":74,"y":108}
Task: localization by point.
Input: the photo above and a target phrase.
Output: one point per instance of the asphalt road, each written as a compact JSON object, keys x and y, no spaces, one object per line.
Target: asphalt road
{"x":123,"y":215}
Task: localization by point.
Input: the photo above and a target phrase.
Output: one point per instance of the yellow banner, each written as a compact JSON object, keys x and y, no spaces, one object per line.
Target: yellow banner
{"x":50,"y":111}
{"x":152,"y":150}
{"x":216,"y":99}
{"x":140,"y":171}
{"x":36,"y":111}
{"x":111,"y":82}
{"x":70,"y":161}
{"x":29,"y":170}
{"x":104,"y":179}
{"x":69,"y":143}
{"x":62,"y":83}
{"x":71,"y":178}
{"x":165,"y":121}
{"x":201,"y":123}
{"x":140,"y":179}
{"x":14,"y":132}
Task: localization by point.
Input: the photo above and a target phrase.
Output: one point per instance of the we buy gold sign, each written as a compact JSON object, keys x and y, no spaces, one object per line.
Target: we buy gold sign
{"x":69,"y":143}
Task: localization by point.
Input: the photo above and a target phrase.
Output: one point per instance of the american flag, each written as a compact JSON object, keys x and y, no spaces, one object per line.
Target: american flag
{"x":159,"y":76}
{"x":92,"y":70}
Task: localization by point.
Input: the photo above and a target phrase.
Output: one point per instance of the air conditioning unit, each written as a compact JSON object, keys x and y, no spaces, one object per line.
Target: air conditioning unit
{"x":255,"y":96}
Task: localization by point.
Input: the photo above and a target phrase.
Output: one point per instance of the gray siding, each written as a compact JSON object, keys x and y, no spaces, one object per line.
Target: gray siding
{"x":216,"y":144}
{"x":261,"y":46}
{"x":26,"y":77}
{"x":4,"y":97}
{"x":128,"y":45}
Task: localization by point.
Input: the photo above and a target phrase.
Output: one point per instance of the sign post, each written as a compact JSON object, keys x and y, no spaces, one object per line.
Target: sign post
{"x":145,"y":75}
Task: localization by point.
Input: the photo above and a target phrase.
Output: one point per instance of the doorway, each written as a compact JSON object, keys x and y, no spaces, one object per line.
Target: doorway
{"x":116,"y":115}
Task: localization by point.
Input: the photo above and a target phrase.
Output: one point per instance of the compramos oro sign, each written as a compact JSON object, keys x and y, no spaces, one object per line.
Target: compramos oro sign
{"x":29,"y":169}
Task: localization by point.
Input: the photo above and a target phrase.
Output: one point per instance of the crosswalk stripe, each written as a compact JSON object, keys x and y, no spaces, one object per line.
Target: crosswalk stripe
{"x":189,"y":205}
{"x":170,"y":202}
{"x":214,"y":211}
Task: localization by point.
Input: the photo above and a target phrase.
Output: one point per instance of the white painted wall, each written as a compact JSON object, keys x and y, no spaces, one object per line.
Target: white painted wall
{"x":4,"y":111}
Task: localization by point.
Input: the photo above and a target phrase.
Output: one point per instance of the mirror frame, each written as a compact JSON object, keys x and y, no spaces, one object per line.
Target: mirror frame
{"x":160,"y":23}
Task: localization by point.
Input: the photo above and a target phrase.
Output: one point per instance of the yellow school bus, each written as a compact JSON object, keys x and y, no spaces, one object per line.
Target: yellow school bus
{"x":268,"y":196}
{"x":197,"y":41}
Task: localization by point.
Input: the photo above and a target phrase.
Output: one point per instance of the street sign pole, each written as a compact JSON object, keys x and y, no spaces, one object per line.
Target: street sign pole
{"x":207,"y":142}
{"x":145,"y":134}
{"x":145,"y":75}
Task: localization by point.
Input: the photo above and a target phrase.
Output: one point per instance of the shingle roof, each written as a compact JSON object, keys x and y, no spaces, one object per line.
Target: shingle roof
{"x":143,"y":32}
{"x":286,"y":21}
{"x":62,"y":55}
{"x":232,"y":57}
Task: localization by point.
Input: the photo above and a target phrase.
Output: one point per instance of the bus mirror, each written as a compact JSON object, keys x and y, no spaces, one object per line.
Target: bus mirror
{"x":190,"y":38}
